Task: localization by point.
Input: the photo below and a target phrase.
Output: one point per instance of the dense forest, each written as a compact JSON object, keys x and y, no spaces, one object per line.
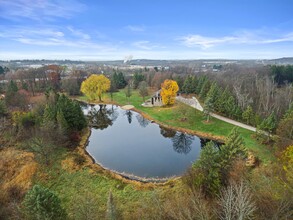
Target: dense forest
{"x":42,"y":126}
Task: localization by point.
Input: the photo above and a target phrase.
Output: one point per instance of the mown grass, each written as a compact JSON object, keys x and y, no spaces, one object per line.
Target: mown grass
{"x":172,"y":116}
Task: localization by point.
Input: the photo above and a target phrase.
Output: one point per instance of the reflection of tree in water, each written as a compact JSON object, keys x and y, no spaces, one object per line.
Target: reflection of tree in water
{"x":167,"y":132}
{"x":129,"y":116}
{"x":143,"y":122}
{"x":102,"y":118}
{"x":182,"y":142}
{"x":204,"y":141}
{"x":113,"y":113}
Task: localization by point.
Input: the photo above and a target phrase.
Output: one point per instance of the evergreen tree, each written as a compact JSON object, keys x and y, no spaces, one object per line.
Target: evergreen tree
{"x":128,"y":91}
{"x":207,"y":168}
{"x":137,"y":78}
{"x":204,"y":89}
{"x":194,"y":84}
{"x":233,"y":148}
{"x":208,"y":108}
{"x":119,"y":80}
{"x":248,"y":115}
{"x":222,"y":100}
{"x":3,"y":109}
{"x":11,"y":93}
{"x":42,"y":204}
{"x":111,"y":213}
{"x":285,"y":127}
{"x":200,"y":83}
{"x":188,"y":85}
{"x":269,"y":125}
{"x":230,"y":106}
{"x":213,"y":93}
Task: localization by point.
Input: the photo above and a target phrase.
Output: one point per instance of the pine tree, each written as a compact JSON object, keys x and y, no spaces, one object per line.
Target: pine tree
{"x":188,"y":85}
{"x":208,"y":108}
{"x":213,"y":93}
{"x":222,"y":100}
{"x":111,"y":213}
{"x":233,"y":148}
{"x":204,"y":89}
{"x":40,"y":203}
{"x":269,"y":124}
{"x":207,"y":168}
{"x":3,"y":109}
{"x":128,"y":92}
{"x":248,"y":115}
{"x":285,"y":127}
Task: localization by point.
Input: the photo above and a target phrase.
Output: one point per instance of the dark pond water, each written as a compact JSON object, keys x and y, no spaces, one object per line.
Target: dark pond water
{"x":125,"y":142}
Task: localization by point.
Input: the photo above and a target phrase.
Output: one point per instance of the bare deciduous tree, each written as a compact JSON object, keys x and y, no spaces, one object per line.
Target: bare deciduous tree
{"x":236,"y":203}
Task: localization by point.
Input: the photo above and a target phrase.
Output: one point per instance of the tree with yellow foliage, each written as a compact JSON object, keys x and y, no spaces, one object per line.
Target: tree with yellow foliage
{"x":95,"y":86}
{"x":169,"y":89}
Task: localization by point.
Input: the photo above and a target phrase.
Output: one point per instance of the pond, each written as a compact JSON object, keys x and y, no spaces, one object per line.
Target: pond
{"x":125,"y":142}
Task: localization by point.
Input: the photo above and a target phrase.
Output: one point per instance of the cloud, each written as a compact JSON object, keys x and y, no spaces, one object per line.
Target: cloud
{"x":39,"y":9}
{"x":145,"y":45}
{"x":135,"y":28}
{"x":204,"y":42}
{"x":51,"y":36}
{"x":79,"y":33}
{"x":244,"y":37}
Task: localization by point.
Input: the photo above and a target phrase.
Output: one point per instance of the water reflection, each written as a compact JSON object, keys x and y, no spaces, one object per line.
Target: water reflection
{"x":147,"y":150}
{"x":143,"y":122}
{"x":167,"y":133}
{"x":182,"y":142}
{"x":101,"y":117}
{"x":128,"y":113}
{"x":204,"y":141}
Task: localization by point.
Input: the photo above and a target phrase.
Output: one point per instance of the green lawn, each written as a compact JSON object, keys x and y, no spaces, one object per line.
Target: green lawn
{"x":172,"y":116}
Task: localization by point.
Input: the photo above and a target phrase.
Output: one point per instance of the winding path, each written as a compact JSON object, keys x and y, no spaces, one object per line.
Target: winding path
{"x":193,"y":102}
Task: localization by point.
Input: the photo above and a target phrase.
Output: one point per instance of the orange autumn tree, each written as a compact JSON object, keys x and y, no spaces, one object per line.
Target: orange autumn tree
{"x":169,"y":89}
{"x":94,"y":86}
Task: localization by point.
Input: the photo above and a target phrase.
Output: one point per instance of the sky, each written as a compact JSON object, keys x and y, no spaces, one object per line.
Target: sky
{"x":145,"y":29}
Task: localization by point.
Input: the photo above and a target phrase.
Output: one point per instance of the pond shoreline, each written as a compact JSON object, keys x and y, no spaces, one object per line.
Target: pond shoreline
{"x":94,"y":165}
{"x":129,"y":177}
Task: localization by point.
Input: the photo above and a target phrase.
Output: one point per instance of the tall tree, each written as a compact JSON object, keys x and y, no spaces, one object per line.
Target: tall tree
{"x":285,"y":127}
{"x":143,"y":89}
{"x":207,"y":108}
{"x":94,"y":86}
{"x":188,"y":86}
{"x":128,"y":92}
{"x":111,"y":213}
{"x":236,"y":202}
{"x":233,"y":148}
{"x":137,"y":78}
{"x":248,"y":115}
{"x":169,"y":89}
{"x":207,"y":169}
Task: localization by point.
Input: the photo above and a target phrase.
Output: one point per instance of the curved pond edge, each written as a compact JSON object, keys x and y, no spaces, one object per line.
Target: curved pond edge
{"x":126,"y":178}
{"x":129,"y":177}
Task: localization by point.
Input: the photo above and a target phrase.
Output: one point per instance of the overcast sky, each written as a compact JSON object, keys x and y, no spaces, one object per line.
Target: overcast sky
{"x":149,"y":29}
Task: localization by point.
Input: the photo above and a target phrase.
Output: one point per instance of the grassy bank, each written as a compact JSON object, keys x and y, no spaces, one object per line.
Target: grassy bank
{"x":195,"y":123}
{"x":78,"y":184}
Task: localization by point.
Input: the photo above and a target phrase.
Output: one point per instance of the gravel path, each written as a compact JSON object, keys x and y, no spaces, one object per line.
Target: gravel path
{"x":193,"y":102}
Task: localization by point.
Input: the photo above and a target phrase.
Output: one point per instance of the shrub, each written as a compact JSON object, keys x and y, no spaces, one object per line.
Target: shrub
{"x":41,"y":203}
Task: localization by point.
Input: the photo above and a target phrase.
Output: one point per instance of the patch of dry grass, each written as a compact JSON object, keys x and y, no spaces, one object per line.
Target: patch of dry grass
{"x":17,"y":169}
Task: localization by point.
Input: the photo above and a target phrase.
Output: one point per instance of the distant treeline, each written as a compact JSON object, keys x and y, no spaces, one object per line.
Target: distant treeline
{"x":282,"y":74}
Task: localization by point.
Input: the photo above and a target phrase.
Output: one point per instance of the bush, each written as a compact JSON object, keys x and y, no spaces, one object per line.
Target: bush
{"x":41,"y":203}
